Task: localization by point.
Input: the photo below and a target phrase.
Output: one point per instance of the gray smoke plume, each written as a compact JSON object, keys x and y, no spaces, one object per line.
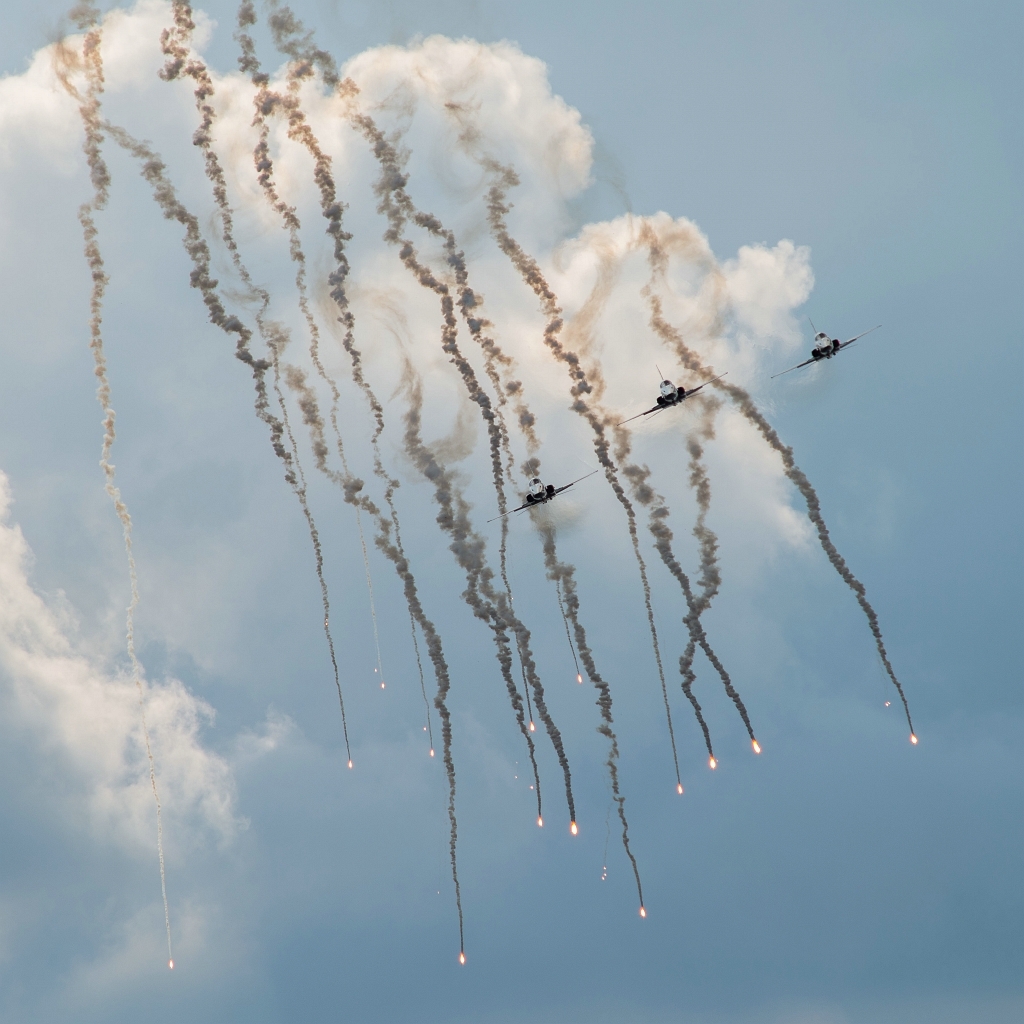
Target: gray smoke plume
{"x":287,"y":31}
{"x":742,"y":400}
{"x":85,"y":16}
{"x":564,"y":576}
{"x":397,"y":206}
{"x":176,"y":45}
{"x":487,"y":603}
{"x":199,"y":252}
{"x":505,"y":178}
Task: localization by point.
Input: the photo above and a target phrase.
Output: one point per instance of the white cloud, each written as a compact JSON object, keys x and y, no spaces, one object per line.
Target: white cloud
{"x":87,"y":722}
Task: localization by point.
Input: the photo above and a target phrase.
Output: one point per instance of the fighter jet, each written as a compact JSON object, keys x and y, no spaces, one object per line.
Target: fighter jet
{"x":672,"y":395}
{"x":539,"y":493}
{"x":824,"y":348}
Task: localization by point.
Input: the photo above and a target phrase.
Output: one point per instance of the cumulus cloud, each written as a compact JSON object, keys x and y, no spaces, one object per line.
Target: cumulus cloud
{"x":85,"y":718}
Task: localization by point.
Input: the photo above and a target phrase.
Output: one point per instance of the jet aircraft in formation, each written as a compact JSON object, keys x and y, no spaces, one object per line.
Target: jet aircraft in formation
{"x":824,"y":348}
{"x":672,"y":394}
{"x":539,"y":493}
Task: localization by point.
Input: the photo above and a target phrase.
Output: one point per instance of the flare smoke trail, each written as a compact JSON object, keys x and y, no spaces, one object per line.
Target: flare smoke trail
{"x":287,"y":33}
{"x":285,"y":27}
{"x":175,"y":44}
{"x":707,"y":542}
{"x":658,"y":514}
{"x":488,"y":605}
{"x":504,"y":179}
{"x":673,"y":339}
{"x":396,"y":205}
{"x":564,"y":576}
{"x":85,"y":16}
{"x":568,"y":636}
{"x":199,"y":253}
{"x":498,"y":366}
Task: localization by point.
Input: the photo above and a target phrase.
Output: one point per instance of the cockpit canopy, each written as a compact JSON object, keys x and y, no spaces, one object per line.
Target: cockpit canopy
{"x":668,"y":389}
{"x":536,"y":485}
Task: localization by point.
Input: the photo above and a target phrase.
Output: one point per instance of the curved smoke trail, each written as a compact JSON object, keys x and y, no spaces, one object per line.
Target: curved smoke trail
{"x":175,"y":44}
{"x":285,"y":27}
{"x":487,"y":603}
{"x":505,"y":178}
{"x":199,"y":253}
{"x":674,"y":340}
{"x":290,"y":39}
{"x":396,"y":205}
{"x":85,"y":16}
{"x":564,"y":576}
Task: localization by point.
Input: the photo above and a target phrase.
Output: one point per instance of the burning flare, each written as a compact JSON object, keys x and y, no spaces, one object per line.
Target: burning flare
{"x":572,"y":828}
{"x":540,"y":821}
{"x":679,"y":788}
{"x":579,"y":678}
{"x":431,"y":751}
{"x":533,"y":728}
{"x":712,"y":763}
{"x":350,"y":763}
{"x":170,"y":964}
{"x":913,"y":739}
{"x":462,"y":958}
{"x":756,"y":746}
{"x":643,"y":910}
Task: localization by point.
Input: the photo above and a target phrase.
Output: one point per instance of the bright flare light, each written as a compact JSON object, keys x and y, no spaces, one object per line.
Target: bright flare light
{"x":540,"y":821}
{"x":887,"y":703}
{"x":350,"y":764}
{"x":712,"y":763}
{"x":462,"y":958}
{"x":679,"y":788}
{"x":382,"y":686}
{"x":756,"y":746}
{"x":572,"y":828}
{"x":913,"y":739}
{"x":170,"y":963}
{"x":533,"y":728}
{"x":643,"y":911}
{"x":579,"y":678}
{"x":431,"y":751}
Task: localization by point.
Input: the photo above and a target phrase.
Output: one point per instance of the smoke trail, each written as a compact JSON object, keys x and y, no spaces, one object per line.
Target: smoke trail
{"x":85,"y":16}
{"x":175,"y":44}
{"x":304,"y":56}
{"x":396,"y":205}
{"x":505,"y":178}
{"x":423,"y":685}
{"x":741,"y":398}
{"x":568,"y":636}
{"x":284,"y":25}
{"x":199,"y":253}
{"x":488,"y":604}
{"x":564,"y":576}
{"x":707,"y":542}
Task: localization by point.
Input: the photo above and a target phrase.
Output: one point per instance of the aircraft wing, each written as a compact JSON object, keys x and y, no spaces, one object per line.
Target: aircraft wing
{"x":510,"y":511}
{"x":693,"y":391}
{"x":852,"y":340}
{"x":647,"y":412}
{"x":806,"y":362}
{"x":558,"y":490}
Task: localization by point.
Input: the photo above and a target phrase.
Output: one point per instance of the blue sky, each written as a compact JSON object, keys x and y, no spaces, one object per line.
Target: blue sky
{"x":843,"y":877}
